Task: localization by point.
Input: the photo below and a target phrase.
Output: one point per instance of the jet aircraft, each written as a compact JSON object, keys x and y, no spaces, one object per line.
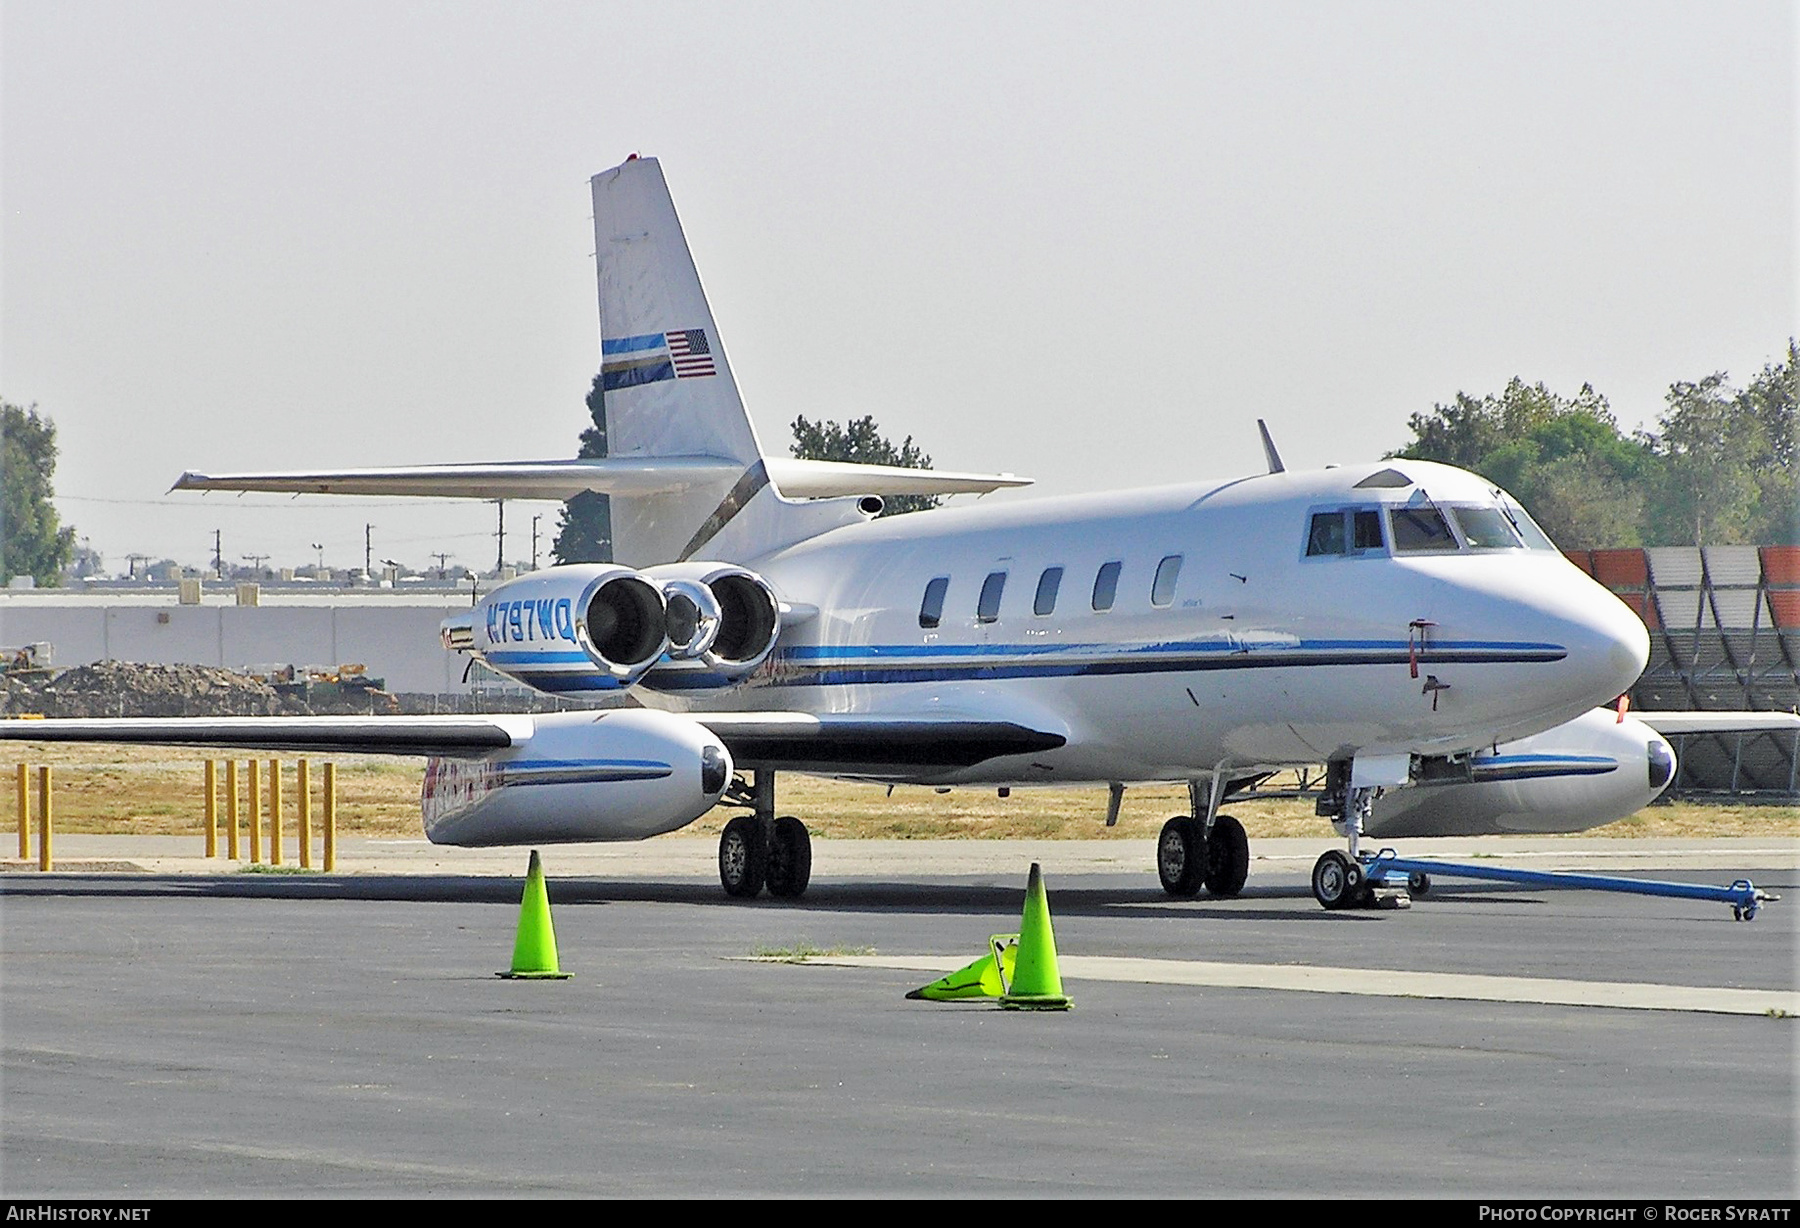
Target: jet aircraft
{"x":1403,"y":622}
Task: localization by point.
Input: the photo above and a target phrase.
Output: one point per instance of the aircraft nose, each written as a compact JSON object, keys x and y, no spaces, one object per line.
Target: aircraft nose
{"x":1608,"y":643}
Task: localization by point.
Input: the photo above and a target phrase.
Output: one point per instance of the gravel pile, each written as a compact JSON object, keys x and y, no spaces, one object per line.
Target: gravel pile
{"x":118,"y":688}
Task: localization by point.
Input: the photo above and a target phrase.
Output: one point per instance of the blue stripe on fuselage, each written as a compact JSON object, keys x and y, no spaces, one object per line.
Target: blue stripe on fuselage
{"x":838,"y":665}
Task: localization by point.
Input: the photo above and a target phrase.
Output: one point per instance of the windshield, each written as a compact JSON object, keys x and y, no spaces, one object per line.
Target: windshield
{"x":1485,"y":528}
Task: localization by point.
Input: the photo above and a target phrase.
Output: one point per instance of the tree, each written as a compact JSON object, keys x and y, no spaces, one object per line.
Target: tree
{"x":584,"y":529}
{"x":1564,"y":458}
{"x":1722,"y":468}
{"x":1730,"y":473}
{"x":32,"y":541}
{"x":862,"y":443}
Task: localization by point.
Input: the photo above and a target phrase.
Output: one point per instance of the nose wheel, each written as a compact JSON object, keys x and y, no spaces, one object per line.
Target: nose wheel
{"x":1337,"y":882}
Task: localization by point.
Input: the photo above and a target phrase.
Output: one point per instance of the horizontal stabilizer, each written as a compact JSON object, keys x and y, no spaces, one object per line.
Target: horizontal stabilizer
{"x":368,"y":735}
{"x":811,"y":479}
{"x":623,"y":475}
{"x":504,"y":480}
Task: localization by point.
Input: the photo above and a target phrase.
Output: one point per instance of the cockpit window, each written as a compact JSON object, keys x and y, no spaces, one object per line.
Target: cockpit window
{"x":1346,"y":531}
{"x":1421,"y":528}
{"x":1484,"y":528}
{"x":1366,"y":534}
{"x":1326,"y":535}
{"x":1535,"y":537}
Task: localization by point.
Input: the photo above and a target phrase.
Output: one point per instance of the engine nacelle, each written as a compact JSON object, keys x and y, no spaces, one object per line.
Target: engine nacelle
{"x":584,"y":627}
{"x":722,"y":622}
{"x":624,"y":774}
{"x":1591,"y":771}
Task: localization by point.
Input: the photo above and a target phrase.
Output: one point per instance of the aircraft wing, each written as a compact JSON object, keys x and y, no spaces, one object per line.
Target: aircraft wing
{"x":842,"y":742}
{"x":451,"y":736}
{"x":791,"y":740}
{"x":1720,"y":722}
{"x":621,"y":475}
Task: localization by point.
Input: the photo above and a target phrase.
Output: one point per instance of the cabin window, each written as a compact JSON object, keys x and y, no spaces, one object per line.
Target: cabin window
{"x":1421,"y":528}
{"x":1048,"y":583}
{"x":1326,"y":535}
{"x":1484,"y":528}
{"x":1106,"y":586}
{"x":1162,"y":589}
{"x":931,"y":609}
{"x":988,"y":608}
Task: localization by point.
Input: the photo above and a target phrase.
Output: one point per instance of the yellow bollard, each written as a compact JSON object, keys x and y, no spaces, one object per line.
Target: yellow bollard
{"x":212,"y":808}
{"x":274,"y":812}
{"x":255,"y":800}
{"x":24,"y":812}
{"x":329,"y":817}
{"x":231,"y":809}
{"x":44,"y":817}
{"x":303,"y":801}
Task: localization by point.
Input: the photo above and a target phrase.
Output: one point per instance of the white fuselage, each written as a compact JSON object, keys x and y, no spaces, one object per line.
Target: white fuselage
{"x":1254,"y":652}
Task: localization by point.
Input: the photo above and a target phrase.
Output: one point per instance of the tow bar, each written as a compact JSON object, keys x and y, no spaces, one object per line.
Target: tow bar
{"x":1388,"y":870}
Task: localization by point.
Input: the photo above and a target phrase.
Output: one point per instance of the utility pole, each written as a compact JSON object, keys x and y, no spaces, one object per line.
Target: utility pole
{"x":534,"y":532}
{"x":256,"y":562}
{"x":442,"y":556}
{"x":218,"y":557}
{"x":132,"y":560}
{"x":500,"y":553}
{"x":368,"y":550}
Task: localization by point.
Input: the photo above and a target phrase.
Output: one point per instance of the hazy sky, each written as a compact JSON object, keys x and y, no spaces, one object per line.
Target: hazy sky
{"x":1089,"y":247}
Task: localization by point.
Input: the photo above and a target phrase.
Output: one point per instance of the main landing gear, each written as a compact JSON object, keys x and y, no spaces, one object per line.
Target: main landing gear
{"x":758,"y":849}
{"x":1195,"y":851}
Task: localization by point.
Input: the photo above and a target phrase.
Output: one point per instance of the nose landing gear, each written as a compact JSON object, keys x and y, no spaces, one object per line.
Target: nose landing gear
{"x":1342,"y":880}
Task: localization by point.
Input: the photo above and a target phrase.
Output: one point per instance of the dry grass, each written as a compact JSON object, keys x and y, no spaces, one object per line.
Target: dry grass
{"x":158,"y":791}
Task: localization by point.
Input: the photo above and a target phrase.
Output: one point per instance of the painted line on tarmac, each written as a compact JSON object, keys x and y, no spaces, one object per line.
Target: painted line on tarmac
{"x":1378,"y":982}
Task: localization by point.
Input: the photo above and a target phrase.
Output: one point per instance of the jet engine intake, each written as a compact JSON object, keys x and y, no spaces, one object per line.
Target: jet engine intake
{"x":584,"y":627}
{"x":723,"y":621}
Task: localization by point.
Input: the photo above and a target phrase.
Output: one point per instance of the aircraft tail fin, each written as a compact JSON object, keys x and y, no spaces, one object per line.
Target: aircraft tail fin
{"x":666,"y":379}
{"x":668,"y":392}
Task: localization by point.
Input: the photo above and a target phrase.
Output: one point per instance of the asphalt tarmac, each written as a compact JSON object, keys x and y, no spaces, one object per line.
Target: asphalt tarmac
{"x":182,"y":1031}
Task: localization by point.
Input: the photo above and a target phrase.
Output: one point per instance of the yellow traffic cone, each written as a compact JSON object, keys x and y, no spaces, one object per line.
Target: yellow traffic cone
{"x":1036,"y":983}
{"x":987,"y":977}
{"x":534,"y":952}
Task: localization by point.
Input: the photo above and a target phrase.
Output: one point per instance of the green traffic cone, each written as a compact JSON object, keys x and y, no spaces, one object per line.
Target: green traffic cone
{"x":987,"y":977}
{"x":534,"y":951}
{"x":1036,"y":983}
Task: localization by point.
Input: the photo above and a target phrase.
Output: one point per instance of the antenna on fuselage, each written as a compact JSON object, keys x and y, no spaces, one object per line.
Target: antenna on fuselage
{"x":1274,"y":457}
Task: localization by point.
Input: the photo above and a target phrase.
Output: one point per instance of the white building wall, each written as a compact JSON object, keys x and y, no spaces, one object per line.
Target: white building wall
{"x":396,"y":642}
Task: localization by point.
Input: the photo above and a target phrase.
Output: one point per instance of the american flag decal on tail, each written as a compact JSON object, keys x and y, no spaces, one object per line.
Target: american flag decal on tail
{"x":691,"y":353}
{"x":654,"y":357}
